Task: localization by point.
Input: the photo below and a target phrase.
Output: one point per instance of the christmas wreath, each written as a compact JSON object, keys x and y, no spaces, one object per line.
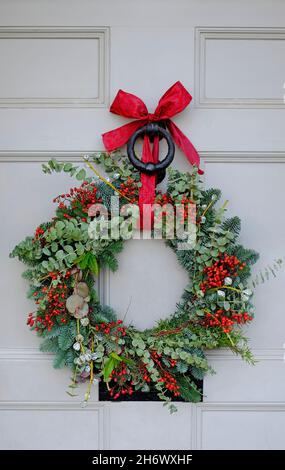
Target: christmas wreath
{"x":64,"y":257}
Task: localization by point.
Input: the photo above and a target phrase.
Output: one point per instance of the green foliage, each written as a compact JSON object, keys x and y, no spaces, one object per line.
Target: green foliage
{"x":105,"y":193}
{"x":59,"y":360}
{"x":59,"y":341}
{"x":112,"y":362}
{"x":49,"y":345}
{"x":28,"y":251}
{"x":246,"y":255}
{"x":102,"y":314}
{"x":69,"y":358}
{"x":197,"y":373}
{"x":72,"y":170}
{"x":66,"y":336}
{"x":188,"y":389}
{"x":187,"y":259}
{"x":182,"y":185}
{"x":232,"y":225}
{"x":88,"y":261}
{"x":211,"y":195}
{"x":181,"y":367}
{"x":116,"y":164}
{"x":108,"y":256}
{"x":109,"y":366}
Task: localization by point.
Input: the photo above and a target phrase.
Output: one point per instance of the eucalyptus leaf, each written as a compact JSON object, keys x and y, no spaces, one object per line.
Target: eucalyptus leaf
{"x":81,"y":175}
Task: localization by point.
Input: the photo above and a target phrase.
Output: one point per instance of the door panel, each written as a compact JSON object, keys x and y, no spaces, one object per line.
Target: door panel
{"x":148,"y":283}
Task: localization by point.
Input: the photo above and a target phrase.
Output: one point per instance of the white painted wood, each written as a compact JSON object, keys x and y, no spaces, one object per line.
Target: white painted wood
{"x":32,"y":156}
{"x":236,"y":122}
{"x":42,"y":67}
{"x":32,"y":186}
{"x":240,"y":426}
{"x":29,"y":375}
{"x":263,"y":225}
{"x":148,"y":269}
{"x":45,"y":425}
{"x":149,"y":426}
{"x":236,"y":381}
{"x":239,"y":67}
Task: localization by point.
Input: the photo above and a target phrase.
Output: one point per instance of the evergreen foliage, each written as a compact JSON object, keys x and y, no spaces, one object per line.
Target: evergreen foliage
{"x":102,"y":314}
{"x":232,"y":225}
{"x":105,"y":193}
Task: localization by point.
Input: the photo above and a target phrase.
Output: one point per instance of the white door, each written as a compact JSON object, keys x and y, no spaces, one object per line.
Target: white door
{"x":61,"y":65}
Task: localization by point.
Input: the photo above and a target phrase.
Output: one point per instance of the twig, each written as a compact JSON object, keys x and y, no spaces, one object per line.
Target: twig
{"x":105,"y":181}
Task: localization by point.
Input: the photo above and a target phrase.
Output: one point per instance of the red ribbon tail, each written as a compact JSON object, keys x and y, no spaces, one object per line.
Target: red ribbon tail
{"x":185,"y":145}
{"x":147,"y":189}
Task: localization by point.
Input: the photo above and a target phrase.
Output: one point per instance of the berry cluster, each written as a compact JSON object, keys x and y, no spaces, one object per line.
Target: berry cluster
{"x":163,"y":199}
{"x":226,"y":320}
{"x":119,"y":376}
{"x":187,"y":210}
{"x":145,"y":374}
{"x":112,"y":328}
{"x":225,"y":266}
{"x":166,"y":378}
{"x":39,"y":231}
{"x":31,"y":320}
{"x":184,"y":210}
{"x":129,"y":189}
{"x":54,"y":298}
{"x":78,"y":200}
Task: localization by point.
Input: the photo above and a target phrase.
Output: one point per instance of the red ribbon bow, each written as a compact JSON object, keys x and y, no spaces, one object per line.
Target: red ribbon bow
{"x":171,"y":103}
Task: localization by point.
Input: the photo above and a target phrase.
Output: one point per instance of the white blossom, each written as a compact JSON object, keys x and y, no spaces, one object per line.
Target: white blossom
{"x":82,"y":358}
{"x":84,"y":321}
{"x":221,"y":293}
{"x":87,"y":357}
{"x":76,"y":346}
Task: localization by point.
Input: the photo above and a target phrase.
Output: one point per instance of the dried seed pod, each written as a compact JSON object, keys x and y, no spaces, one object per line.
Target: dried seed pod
{"x":74,"y":302}
{"x":82,"y":311}
{"x":81,"y":289}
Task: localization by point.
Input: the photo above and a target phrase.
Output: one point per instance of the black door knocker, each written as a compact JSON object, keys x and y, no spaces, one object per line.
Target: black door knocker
{"x":158,"y":169}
